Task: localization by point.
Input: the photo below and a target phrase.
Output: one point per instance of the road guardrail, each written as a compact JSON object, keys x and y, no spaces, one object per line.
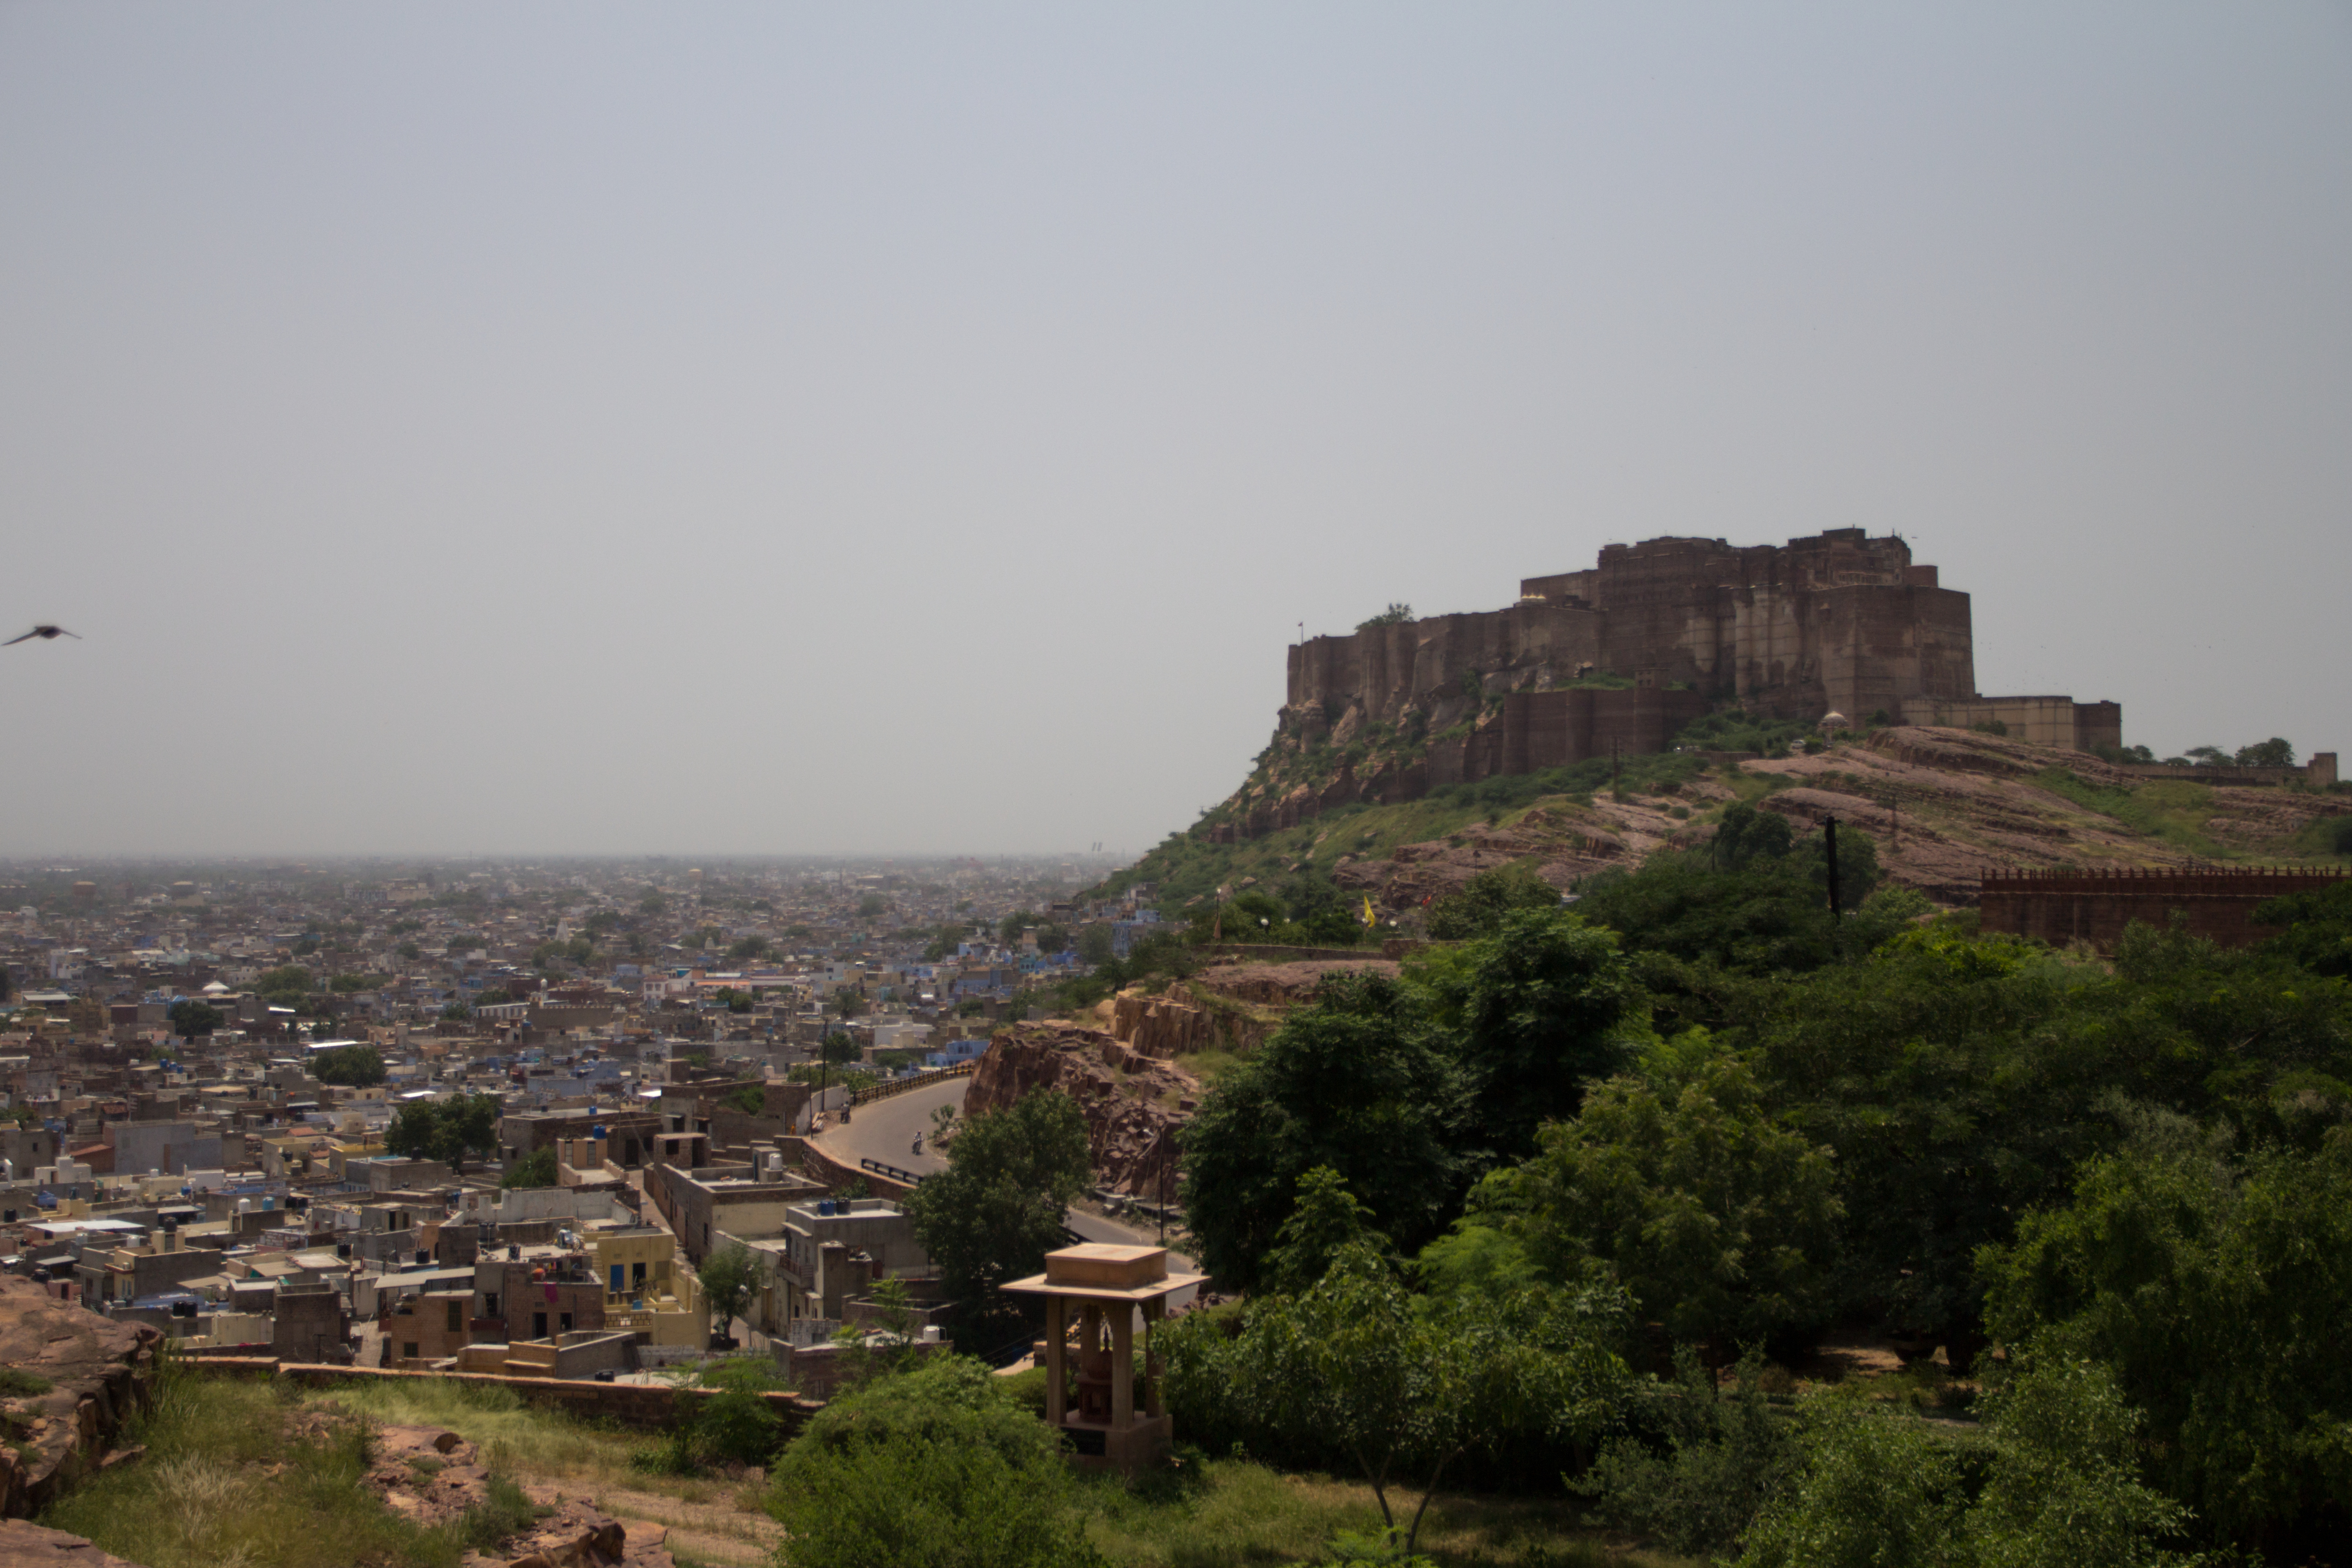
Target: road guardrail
{"x":901,"y":1085}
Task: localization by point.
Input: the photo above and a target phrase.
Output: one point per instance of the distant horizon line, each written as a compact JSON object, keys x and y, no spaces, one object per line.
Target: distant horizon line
{"x":38,"y":859}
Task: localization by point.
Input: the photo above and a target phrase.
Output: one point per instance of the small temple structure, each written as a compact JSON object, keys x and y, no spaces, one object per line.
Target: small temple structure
{"x":1112,"y":1290}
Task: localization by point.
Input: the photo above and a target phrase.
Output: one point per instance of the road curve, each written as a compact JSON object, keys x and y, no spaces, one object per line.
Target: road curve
{"x":886,"y":1130}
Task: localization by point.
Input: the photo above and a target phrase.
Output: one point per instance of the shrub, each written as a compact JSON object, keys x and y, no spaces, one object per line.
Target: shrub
{"x":1876,"y":1489}
{"x":537,"y":1168}
{"x":939,"y":1466}
{"x":1723,"y":1459}
{"x":356,"y":1066}
{"x":1476,"y":908}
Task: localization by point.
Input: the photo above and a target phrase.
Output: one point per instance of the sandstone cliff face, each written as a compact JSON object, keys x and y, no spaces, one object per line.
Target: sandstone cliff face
{"x":1280,"y":986}
{"x":1200,"y":1014}
{"x":98,"y":1369}
{"x":1133,"y":1103}
{"x":1160,"y":1026}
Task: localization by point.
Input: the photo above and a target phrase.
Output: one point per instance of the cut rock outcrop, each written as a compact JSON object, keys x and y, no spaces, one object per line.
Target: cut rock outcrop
{"x":98,"y":1371}
{"x":1133,"y":1103}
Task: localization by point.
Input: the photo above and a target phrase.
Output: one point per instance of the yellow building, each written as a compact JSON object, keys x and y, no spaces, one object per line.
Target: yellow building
{"x":648,"y":1289}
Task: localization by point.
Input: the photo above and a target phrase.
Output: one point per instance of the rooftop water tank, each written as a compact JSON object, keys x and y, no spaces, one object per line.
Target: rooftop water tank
{"x":824,"y":1205}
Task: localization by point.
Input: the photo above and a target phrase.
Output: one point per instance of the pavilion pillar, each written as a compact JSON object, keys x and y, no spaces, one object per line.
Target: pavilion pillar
{"x":1122,"y":1368}
{"x":1056,"y":1370}
{"x":1153,"y":1394}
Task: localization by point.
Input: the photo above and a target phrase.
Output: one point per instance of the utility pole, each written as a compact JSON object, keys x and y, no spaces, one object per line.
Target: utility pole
{"x":1828,"y":840}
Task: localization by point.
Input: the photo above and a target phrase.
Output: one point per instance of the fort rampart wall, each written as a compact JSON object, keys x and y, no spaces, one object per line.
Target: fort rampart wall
{"x":2061,"y":908}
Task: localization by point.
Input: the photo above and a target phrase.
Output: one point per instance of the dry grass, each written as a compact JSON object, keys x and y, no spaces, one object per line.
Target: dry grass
{"x":1233,"y":1513}
{"x":552,"y":1454}
{"x":226,"y":1484}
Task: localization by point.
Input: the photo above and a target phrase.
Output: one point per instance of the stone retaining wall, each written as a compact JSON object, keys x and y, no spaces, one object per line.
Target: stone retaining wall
{"x":644,"y":1406}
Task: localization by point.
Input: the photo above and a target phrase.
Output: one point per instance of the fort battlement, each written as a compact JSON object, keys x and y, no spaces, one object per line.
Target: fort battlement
{"x":2071,"y":905}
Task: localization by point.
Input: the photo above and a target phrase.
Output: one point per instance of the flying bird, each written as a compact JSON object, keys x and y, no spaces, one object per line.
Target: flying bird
{"x":46,"y":634}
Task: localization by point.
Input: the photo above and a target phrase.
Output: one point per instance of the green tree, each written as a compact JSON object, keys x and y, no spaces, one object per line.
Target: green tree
{"x":1404,"y":1387}
{"x":2219,"y":1292}
{"x":1327,"y":1222}
{"x":1396,"y":614}
{"x":1752,"y":903}
{"x":1354,"y":1083}
{"x":457,"y":1011}
{"x":1956,"y":1091}
{"x":730,"y":1277}
{"x":1538,"y":1007}
{"x":1717,"y":1459}
{"x":1685,"y":1190}
{"x":2276,"y":752}
{"x":286,"y":986}
{"x":345,"y":984}
{"x":2314,"y":928}
{"x":997,"y":1209}
{"x":2065,"y":1484}
{"x":537,"y":1168}
{"x":357,"y":1066}
{"x":747,"y":949}
{"x":1744,"y":834}
{"x":445,"y":1130}
{"x":1477,"y":907}
{"x":872,"y":906}
{"x":841,"y":1047}
{"x":1096,"y":945}
{"x":1009,"y":929}
{"x":938,"y":1466}
{"x":749,"y":1100}
{"x":191,"y":1018}
{"x":1878,"y":1491}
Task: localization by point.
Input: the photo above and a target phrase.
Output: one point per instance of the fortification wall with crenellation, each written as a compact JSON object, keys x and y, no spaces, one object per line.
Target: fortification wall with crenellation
{"x":2063,"y":907}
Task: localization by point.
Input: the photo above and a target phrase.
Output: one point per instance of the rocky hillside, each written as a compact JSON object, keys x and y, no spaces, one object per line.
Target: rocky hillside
{"x":1943,"y":806}
{"x":75,"y":1380}
{"x":1132,"y":1103}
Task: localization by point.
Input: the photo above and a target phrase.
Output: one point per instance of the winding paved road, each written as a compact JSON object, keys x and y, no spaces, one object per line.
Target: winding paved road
{"x":886,"y":1130}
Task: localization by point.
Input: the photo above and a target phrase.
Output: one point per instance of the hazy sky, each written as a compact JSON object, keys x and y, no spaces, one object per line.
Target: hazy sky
{"x":797,"y":428}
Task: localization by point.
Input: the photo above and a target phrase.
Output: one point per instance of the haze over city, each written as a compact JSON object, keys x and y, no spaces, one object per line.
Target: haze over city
{"x":782,"y":430}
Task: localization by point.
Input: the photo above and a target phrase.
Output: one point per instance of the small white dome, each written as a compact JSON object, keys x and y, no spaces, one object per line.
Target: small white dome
{"x":1833,"y":720}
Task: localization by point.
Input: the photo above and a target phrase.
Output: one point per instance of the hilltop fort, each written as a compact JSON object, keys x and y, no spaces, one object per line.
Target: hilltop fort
{"x":1620,"y":658}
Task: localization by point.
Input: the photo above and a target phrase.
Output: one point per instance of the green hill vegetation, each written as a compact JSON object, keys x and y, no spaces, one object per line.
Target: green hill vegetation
{"x":2171,"y":816}
{"x":2095,"y":1210}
